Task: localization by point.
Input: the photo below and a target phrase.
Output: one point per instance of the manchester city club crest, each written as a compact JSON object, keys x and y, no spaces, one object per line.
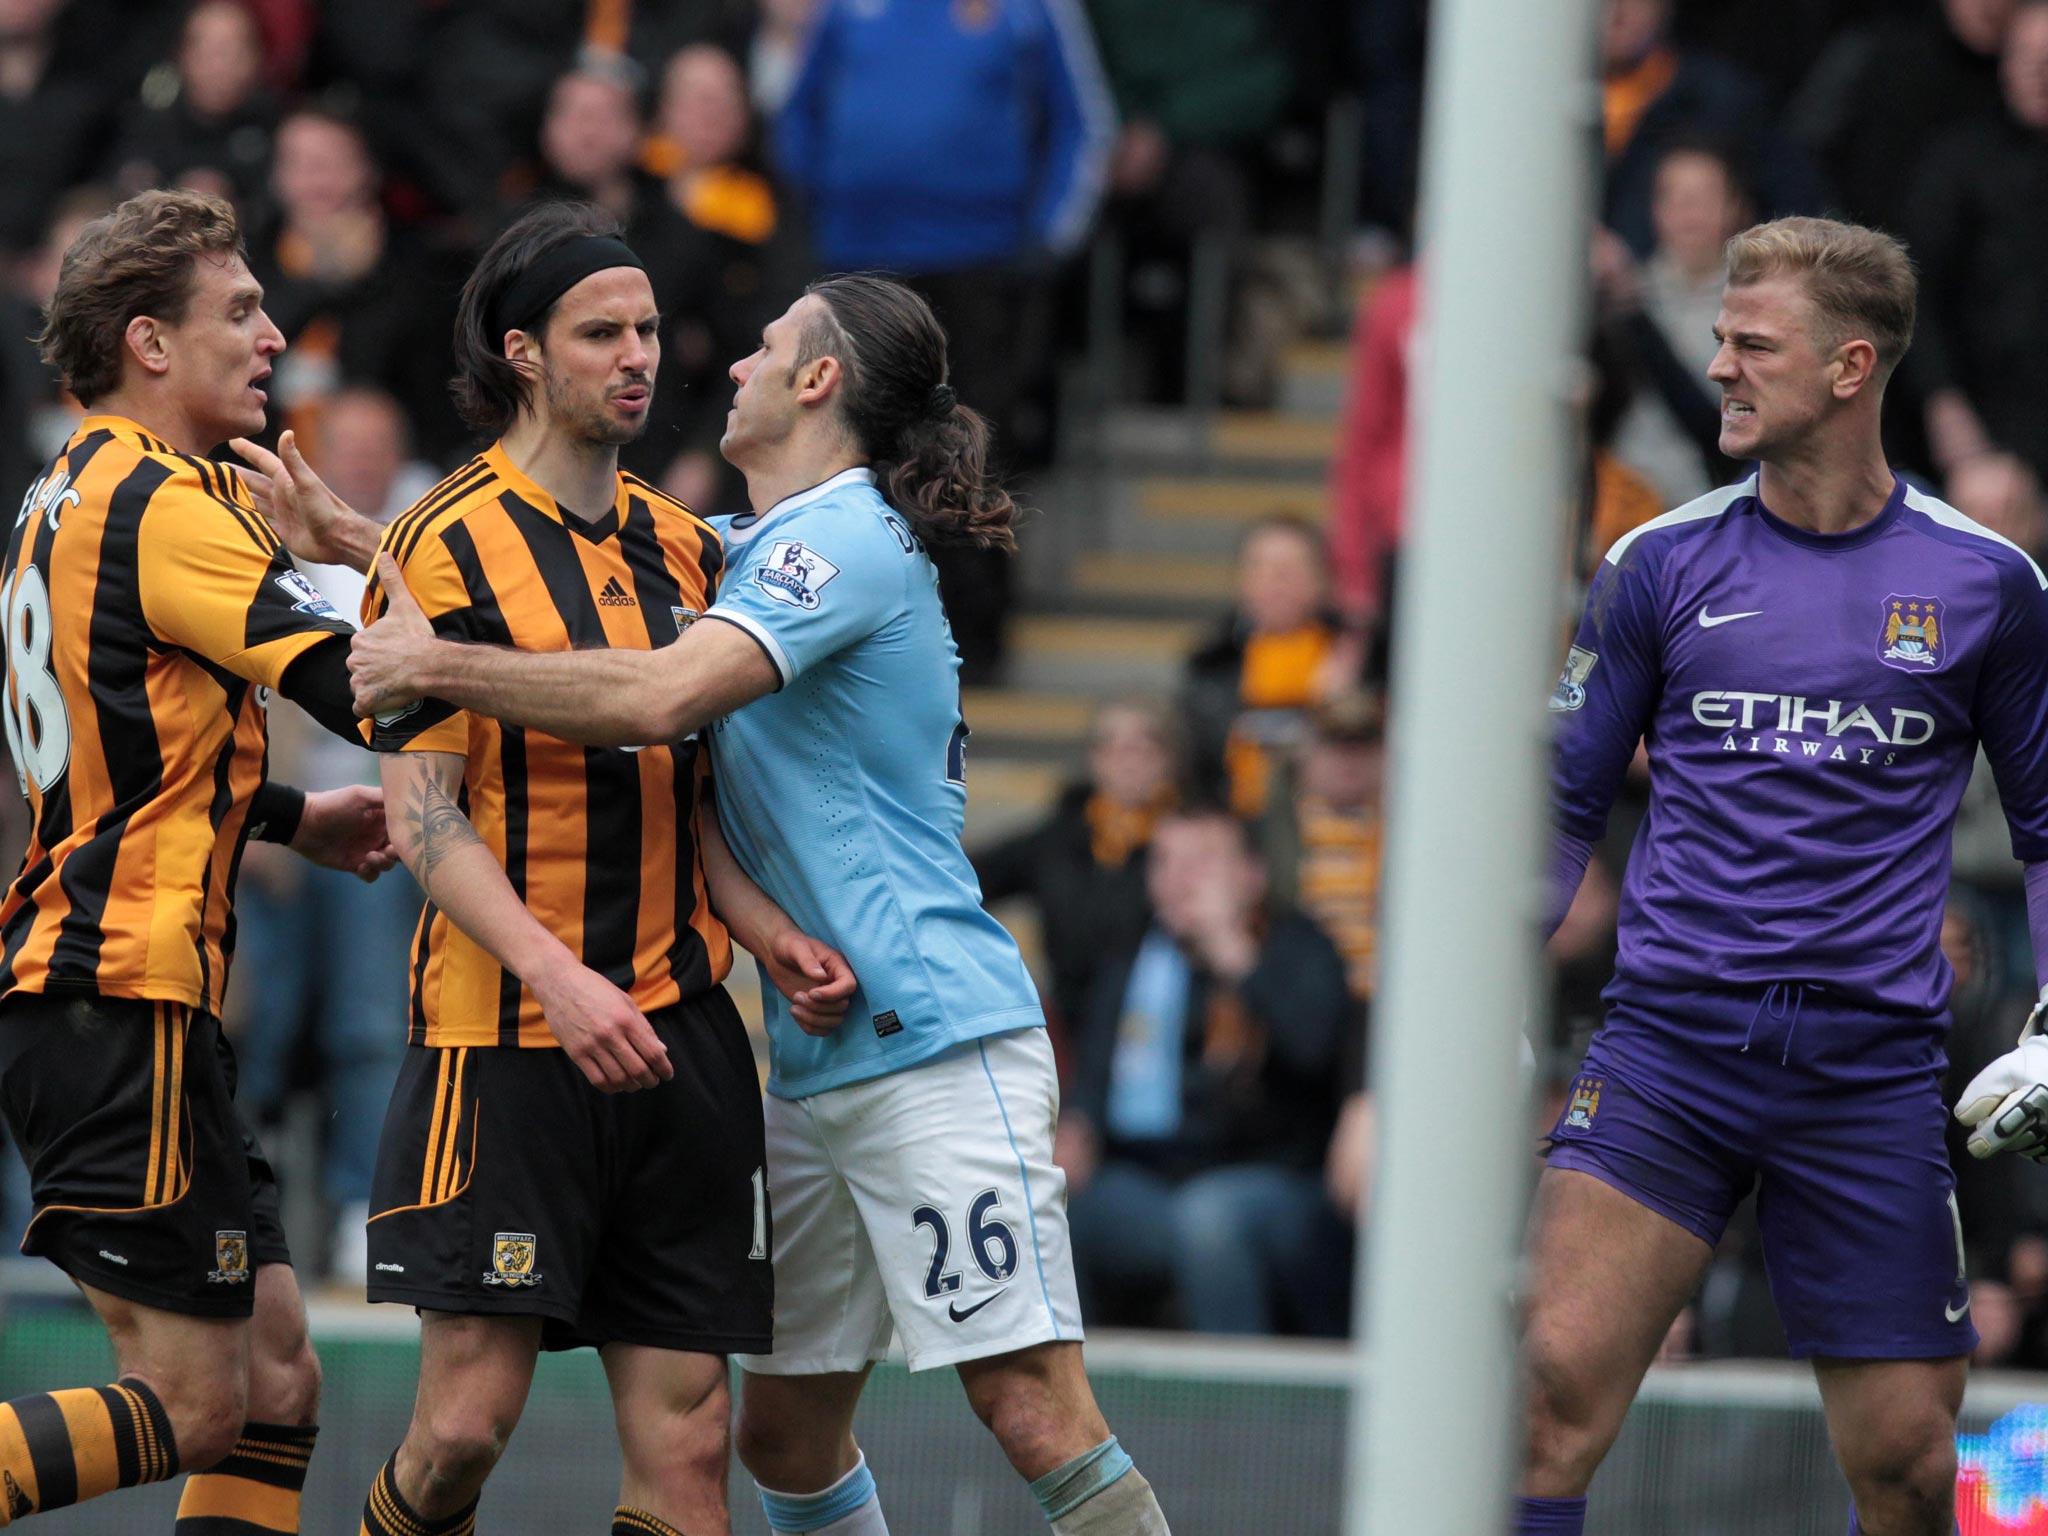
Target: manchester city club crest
{"x":512,"y":1255}
{"x":1585,"y":1103}
{"x":230,"y":1259}
{"x":1912,"y":634}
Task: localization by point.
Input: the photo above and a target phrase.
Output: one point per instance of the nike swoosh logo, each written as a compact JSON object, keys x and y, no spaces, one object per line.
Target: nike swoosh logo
{"x":953,"y":1310}
{"x":1955,"y":1314}
{"x":1709,"y":621}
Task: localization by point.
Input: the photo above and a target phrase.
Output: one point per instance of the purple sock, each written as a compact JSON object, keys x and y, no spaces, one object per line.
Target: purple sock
{"x":1550,"y":1517}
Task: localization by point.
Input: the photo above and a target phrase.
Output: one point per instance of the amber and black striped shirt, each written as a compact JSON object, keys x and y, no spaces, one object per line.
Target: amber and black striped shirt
{"x":148,"y":611}
{"x":599,"y":842}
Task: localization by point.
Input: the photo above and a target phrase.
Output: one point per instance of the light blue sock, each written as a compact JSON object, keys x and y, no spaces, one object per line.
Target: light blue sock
{"x":1550,"y":1517}
{"x":801,"y":1512}
{"x":1065,"y":1488}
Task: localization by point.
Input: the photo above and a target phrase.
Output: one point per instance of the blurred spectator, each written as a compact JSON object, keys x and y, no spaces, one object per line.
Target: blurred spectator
{"x":590,"y":141}
{"x":328,"y":954}
{"x":1249,"y":690}
{"x":1979,"y":231}
{"x":209,"y":124}
{"x":1883,"y":91}
{"x":55,"y":112}
{"x":1778,"y":41}
{"x":1199,"y":83}
{"x":353,"y":293}
{"x":1083,"y":867}
{"x":2003,"y":1214}
{"x":39,"y":412}
{"x":1654,"y":92}
{"x":1322,"y":839}
{"x":2000,"y":491}
{"x":1205,"y":1100}
{"x":1367,"y":473}
{"x":1661,"y":316}
{"x":1389,"y":40}
{"x":776,"y":51}
{"x":726,"y":255}
{"x":1613,"y":497}
{"x":964,"y":146}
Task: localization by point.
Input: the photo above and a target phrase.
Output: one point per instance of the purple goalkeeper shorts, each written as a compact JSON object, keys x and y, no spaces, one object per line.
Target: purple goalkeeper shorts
{"x":1833,"y":1114}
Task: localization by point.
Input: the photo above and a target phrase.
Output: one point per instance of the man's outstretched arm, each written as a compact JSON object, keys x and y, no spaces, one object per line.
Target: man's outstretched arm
{"x":616,"y":698}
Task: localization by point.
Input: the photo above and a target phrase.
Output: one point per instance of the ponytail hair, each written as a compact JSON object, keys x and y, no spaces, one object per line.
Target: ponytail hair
{"x":930,"y":451}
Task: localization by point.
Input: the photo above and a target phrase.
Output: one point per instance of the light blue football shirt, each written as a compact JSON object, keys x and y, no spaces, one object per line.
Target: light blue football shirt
{"x":843,"y":793}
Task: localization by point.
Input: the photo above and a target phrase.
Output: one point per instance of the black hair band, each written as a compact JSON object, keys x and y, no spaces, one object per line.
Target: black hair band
{"x":553,"y":274}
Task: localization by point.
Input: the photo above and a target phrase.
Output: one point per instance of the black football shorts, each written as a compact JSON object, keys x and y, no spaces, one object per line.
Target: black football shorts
{"x":147,"y":1182}
{"x":507,"y":1184}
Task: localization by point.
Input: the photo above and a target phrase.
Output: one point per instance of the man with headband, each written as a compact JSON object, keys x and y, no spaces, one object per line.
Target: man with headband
{"x":573,"y":1154}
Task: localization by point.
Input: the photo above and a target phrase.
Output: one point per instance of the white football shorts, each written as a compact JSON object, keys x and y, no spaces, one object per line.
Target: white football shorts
{"x":925,"y":1203}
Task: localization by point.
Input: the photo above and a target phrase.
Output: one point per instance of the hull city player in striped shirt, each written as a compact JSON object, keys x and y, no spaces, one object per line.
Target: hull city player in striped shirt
{"x":149,"y":615}
{"x":573,"y":1154}
{"x":910,"y":1150}
{"x":1814,"y":657}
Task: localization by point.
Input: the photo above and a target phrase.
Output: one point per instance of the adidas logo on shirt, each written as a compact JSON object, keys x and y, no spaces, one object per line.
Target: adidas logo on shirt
{"x":615,"y":596}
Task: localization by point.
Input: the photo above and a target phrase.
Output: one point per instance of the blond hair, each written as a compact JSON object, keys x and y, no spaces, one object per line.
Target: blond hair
{"x":1861,"y":280}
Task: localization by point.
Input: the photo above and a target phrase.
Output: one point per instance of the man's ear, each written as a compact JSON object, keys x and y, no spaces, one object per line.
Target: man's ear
{"x":523,"y":351}
{"x":148,"y":344}
{"x":818,"y":380}
{"x":1855,"y":368}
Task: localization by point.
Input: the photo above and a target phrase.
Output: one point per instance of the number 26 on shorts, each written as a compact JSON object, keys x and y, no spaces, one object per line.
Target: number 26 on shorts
{"x":991,"y":1242}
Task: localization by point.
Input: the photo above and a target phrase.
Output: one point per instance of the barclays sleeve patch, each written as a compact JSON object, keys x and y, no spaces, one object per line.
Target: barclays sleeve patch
{"x":306,"y":598}
{"x":794,"y":573}
{"x":1570,"y":692}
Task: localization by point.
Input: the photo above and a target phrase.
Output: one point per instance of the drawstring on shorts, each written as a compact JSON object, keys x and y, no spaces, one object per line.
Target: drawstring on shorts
{"x":1782,"y":1001}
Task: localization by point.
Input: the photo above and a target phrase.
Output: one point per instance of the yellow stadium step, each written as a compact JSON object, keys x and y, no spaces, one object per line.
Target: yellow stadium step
{"x":1274,"y":437}
{"x":1112,"y":575}
{"x":1054,"y":719}
{"x":1005,"y":796}
{"x":1230,"y":501}
{"x":1094,"y":657}
{"x":1312,"y":377}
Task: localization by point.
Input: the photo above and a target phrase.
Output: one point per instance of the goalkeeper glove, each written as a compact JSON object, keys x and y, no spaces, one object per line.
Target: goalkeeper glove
{"x":2006,"y":1104}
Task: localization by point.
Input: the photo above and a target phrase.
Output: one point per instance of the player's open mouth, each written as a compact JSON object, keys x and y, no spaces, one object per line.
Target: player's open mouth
{"x":256,"y":385}
{"x":1734,"y":409}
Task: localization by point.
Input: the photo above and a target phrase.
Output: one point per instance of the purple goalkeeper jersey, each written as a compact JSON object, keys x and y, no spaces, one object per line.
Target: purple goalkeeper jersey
{"x":1812,"y":704}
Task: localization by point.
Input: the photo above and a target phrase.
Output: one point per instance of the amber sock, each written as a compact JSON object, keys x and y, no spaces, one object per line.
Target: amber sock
{"x":255,"y":1489}
{"x":60,"y":1448}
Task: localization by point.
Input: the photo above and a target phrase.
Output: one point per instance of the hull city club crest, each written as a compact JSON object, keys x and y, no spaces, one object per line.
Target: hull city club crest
{"x":230,"y":1259}
{"x":512,"y":1256}
{"x":1912,"y":633}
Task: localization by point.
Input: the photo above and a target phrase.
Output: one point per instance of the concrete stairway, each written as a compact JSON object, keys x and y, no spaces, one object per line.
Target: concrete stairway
{"x":1129,"y":565}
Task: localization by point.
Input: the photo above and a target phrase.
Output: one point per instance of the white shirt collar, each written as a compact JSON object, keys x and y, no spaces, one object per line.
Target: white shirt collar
{"x":747,"y":524}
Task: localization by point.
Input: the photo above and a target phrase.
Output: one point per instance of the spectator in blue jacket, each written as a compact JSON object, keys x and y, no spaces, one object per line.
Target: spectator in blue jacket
{"x":963,"y":144}
{"x":1205,"y":1094}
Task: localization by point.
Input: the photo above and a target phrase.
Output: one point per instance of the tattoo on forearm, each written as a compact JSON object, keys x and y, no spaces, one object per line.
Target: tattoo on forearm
{"x":438,"y":826}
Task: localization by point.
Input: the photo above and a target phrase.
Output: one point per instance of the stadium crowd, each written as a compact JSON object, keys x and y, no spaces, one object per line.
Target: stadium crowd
{"x":1207,"y":887}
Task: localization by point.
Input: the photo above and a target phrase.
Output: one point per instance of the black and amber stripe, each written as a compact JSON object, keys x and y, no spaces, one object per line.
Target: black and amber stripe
{"x":627,"y":1521}
{"x":62,"y":1448}
{"x":166,"y":1175}
{"x":441,"y":1171}
{"x":164,"y":609}
{"x":600,"y":844}
{"x":255,"y":1490}
{"x":385,"y":1512}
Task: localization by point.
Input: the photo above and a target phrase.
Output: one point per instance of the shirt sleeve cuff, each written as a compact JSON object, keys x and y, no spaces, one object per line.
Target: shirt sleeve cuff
{"x":784,"y":668}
